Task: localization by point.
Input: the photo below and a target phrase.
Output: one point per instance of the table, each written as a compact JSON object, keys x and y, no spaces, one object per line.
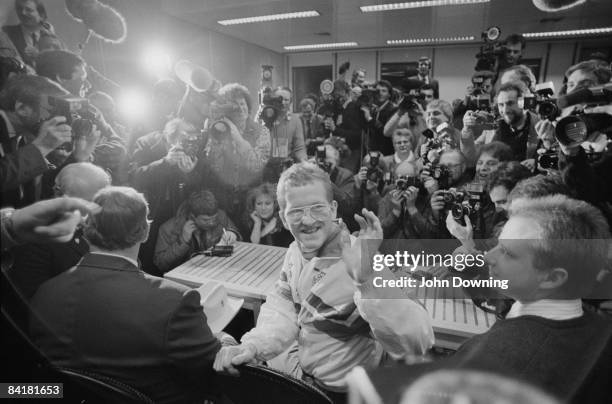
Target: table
{"x":249,"y":273}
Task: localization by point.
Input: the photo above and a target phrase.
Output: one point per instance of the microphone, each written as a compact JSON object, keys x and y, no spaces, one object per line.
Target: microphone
{"x":102,"y":20}
{"x":595,"y":94}
{"x":550,"y":6}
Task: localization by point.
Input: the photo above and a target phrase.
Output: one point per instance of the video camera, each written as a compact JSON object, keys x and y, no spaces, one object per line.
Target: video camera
{"x":435,"y":143}
{"x":543,"y":102}
{"x":548,"y":159}
{"x":270,"y":107}
{"x":78,"y":113}
{"x":491,"y":51}
{"x":464,"y":203}
{"x":367,"y":99}
{"x":478,"y":100}
{"x":574,"y":130}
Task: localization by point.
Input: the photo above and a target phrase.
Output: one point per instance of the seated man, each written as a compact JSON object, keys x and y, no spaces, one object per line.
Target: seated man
{"x":318,"y":300}
{"x":198,"y":225}
{"x":37,"y":263}
{"x":107,"y":316}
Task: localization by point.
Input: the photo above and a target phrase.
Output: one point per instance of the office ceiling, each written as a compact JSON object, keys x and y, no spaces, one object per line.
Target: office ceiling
{"x":343,"y":21}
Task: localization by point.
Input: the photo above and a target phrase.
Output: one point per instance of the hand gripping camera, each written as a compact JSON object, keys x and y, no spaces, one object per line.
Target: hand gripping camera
{"x":78,"y":113}
{"x":462,"y":203}
{"x":270,"y":107}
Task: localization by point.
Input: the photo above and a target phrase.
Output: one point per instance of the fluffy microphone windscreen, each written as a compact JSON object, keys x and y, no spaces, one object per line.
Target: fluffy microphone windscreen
{"x":556,"y":5}
{"x":104,"y":21}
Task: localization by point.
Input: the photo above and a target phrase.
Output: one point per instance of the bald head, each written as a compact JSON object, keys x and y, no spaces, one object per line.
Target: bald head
{"x":81,"y":180}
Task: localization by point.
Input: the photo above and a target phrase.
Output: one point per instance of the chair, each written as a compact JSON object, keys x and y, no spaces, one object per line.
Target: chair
{"x":259,"y":384}
{"x":90,"y":388}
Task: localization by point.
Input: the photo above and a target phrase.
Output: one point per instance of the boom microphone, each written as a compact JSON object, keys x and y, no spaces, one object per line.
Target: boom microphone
{"x":195,"y":76}
{"x":101,"y":19}
{"x":556,"y":5}
{"x":595,"y":94}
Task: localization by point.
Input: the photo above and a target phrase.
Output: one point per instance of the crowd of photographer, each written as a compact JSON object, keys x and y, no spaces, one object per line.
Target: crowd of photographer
{"x":419,"y":167}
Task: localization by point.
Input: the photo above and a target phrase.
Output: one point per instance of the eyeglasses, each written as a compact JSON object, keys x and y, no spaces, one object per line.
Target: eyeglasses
{"x":317,"y":212}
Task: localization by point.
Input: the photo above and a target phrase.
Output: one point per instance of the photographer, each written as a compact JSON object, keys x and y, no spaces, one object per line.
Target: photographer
{"x":29,"y":134}
{"x":516,"y":128}
{"x":377,"y":116}
{"x":514,"y":46}
{"x":312,"y":125}
{"x":590,"y":181}
{"x":520,"y":73}
{"x":32,"y":24}
{"x":286,"y":133}
{"x":427,"y":93}
{"x":370,"y":181}
{"x":400,"y":209}
{"x":410,"y":113}
{"x":164,"y":172}
{"x":236,"y":158}
{"x":70,"y":71}
{"x":480,"y":89}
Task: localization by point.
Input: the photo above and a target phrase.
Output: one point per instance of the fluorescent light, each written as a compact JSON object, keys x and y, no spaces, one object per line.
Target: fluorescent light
{"x":573,"y":32}
{"x":419,"y":41}
{"x":418,"y":4}
{"x":271,"y":17}
{"x":322,"y":46}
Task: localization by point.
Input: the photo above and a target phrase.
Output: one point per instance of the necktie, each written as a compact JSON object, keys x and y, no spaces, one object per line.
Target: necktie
{"x":34,"y":40}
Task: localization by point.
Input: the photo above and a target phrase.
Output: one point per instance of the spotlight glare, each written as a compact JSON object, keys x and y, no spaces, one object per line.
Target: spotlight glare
{"x":133,"y":104}
{"x":157,"y":62}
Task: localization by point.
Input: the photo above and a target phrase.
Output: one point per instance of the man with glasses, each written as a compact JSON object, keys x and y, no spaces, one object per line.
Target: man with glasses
{"x":317,"y":304}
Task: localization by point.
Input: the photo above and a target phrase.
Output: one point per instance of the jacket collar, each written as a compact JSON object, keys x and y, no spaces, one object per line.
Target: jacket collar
{"x":105,"y":261}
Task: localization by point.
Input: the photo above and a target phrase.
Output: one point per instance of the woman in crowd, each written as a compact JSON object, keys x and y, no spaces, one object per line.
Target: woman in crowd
{"x":263,"y":220}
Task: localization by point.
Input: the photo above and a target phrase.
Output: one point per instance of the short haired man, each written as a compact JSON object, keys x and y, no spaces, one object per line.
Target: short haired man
{"x":518,"y":73}
{"x":286,"y":133}
{"x":312,"y":125}
{"x":514,"y":46}
{"x":549,"y":252}
{"x":108,"y":316}
{"x":37,"y":263}
{"x":516,"y":128}
{"x":427,"y":92}
{"x":481,"y":86}
{"x":66,"y":68}
{"x":314,"y":302}
{"x":424,"y":75}
{"x":385,"y":108}
{"x":586,"y":74}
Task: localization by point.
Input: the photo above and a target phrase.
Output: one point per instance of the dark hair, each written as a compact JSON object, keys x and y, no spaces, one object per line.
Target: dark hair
{"x":40,"y":7}
{"x":516,"y":38}
{"x":28,"y":90}
{"x":387,"y":84}
{"x":507,"y":175}
{"x":485,"y":74}
{"x":517,"y":86}
{"x":57,"y":63}
{"x":122,"y":221}
{"x":427,"y":87}
{"x":425,"y":59}
{"x":498,"y":150}
{"x":234,"y":91}
{"x":201,"y":203}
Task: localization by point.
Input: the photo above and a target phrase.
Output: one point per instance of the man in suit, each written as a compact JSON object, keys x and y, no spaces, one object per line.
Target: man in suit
{"x":36,"y":263}
{"x":107,"y":316}
{"x":32,"y":24}
{"x":424,"y":75}
{"x":377,"y":119}
{"x":312,"y":125}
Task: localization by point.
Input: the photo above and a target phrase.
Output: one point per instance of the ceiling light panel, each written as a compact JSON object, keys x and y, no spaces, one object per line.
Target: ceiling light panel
{"x":271,"y":17}
{"x":424,"y":41}
{"x":322,"y":46}
{"x":573,"y":32}
{"x":418,"y":4}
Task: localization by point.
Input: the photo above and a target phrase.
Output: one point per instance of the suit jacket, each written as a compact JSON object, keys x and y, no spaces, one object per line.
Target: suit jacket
{"x":15,"y":34}
{"x":107,"y":316}
{"x":377,"y":139}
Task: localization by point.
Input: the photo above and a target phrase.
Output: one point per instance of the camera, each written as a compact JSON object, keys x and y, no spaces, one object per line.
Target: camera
{"x":320,"y":156}
{"x":402,"y":183}
{"x":411,"y":103}
{"x":543,"y":102}
{"x":367,"y":98}
{"x":573,"y":130}
{"x":464,"y":203}
{"x":79,"y":115}
{"x":270,"y":107}
{"x":219,"y":110}
{"x":192,"y":144}
{"x":491,"y":51}
{"x":435,"y":143}
{"x":548,"y":159}
{"x":441,"y":174}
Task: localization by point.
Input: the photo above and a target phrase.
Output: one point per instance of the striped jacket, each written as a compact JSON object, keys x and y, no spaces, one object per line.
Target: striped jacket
{"x":317,"y":303}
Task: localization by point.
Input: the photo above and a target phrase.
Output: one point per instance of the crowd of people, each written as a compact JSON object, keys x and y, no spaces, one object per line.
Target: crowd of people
{"x":95,"y":213}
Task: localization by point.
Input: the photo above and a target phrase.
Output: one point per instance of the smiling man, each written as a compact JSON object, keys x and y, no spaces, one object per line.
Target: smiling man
{"x":317,"y":302}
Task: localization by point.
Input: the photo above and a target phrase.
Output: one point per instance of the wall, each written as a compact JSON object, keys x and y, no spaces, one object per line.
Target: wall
{"x":229,"y":59}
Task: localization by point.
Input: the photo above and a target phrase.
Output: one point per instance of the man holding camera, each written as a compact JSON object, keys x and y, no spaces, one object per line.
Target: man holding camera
{"x":286,"y":133}
{"x":516,"y":128}
{"x":29,"y":133}
{"x":479,"y":96}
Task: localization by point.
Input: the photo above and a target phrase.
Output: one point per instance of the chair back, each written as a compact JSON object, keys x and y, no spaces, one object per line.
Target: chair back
{"x":259,"y":384}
